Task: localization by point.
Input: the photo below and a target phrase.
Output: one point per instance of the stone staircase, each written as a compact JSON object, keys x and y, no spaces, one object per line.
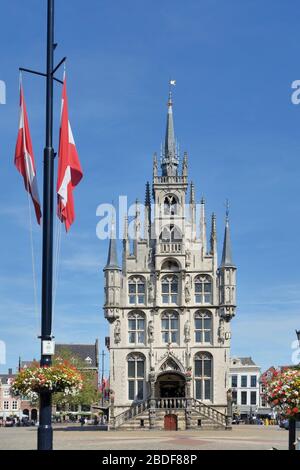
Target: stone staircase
{"x":150,"y":414}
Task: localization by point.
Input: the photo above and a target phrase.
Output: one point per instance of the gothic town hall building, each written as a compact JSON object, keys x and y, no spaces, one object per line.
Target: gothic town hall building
{"x":169,"y":307}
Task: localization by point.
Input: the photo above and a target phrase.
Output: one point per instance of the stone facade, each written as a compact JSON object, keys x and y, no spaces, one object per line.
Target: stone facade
{"x":170,"y":304}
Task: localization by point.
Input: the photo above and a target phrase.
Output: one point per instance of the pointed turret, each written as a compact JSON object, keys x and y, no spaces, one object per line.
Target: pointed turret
{"x":170,"y":159}
{"x":170,"y":144}
{"x":185,"y":165}
{"x":112,"y":278}
{"x":112,"y":258}
{"x":227,"y":276}
{"x":227,"y":254}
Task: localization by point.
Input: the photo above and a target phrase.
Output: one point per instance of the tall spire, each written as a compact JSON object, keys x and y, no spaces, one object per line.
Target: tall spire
{"x":213,"y":236}
{"x":192,"y":193}
{"x":203,"y":226}
{"x":112,"y":259}
{"x":227,"y":254}
{"x":147,"y":215}
{"x":170,"y":143}
{"x":193,"y":211}
{"x":147,"y":195}
{"x":170,"y":158}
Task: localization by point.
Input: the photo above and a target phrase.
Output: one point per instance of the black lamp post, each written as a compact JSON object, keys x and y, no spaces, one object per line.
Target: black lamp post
{"x":45,"y":432}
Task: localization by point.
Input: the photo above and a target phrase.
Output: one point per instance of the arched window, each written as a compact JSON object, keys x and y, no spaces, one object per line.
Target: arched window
{"x":203,"y":290}
{"x":171,"y":233}
{"x":170,"y":205}
{"x":203,"y":327}
{"x":170,"y":265}
{"x":170,"y":327}
{"x":136,"y":328}
{"x":203,"y":376}
{"x":136,"y":376}
{"x":136,"y":290}
{"x":169,"y":289}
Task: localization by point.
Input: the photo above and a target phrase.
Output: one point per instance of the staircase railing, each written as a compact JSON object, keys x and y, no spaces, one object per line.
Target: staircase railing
{"x":170,"y":403}
{"x":209,"y":412}
{"x":133,"y":411}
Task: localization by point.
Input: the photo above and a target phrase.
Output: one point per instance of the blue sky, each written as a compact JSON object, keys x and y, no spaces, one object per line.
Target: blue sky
{"x":234,"y":63}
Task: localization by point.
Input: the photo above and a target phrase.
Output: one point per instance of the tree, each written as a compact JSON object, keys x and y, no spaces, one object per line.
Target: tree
{"x":89,"y":393}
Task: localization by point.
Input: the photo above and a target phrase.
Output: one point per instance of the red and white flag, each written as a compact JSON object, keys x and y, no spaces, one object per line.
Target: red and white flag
{"x":69,"y":168}
{"x":24,"y":158}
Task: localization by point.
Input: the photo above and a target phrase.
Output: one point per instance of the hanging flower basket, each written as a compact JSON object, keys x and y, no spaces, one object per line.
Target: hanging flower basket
{"x":32,"y":381}
{"x":282,"y":391}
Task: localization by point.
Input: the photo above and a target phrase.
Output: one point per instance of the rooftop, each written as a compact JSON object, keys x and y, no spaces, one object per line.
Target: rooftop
{"x":86,"y":352}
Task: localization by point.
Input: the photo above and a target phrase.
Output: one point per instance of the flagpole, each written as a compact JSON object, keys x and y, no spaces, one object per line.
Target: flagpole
{"x":45,"y":431}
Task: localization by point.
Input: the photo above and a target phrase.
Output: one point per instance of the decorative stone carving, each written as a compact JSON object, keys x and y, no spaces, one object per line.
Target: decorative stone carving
{"x":150,"y":331}
{"x":187,"y":331}
{"x":188,"y":257}
{"x":221,"y":331}
{"x":169,"y":364}
{"x":152,"y":375}
{"x":117,"y":332}
{"x":187,"y":290}
{"x":150,"y":290}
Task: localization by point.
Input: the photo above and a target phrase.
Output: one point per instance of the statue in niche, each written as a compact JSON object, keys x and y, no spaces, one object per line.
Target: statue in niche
{"x":150,"y":290}
{"x":227,"y":295}
{"x":188,"y":257}
{"x":187,"y":290}
{"x":221,"y":331}
{"x":150,"y":256}
{"x":150,"y":331}
{"x":187,"y":331}
{"x":117,"y":331}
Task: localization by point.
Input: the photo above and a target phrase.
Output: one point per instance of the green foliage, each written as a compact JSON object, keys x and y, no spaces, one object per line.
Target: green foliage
{"x":89,"y":393}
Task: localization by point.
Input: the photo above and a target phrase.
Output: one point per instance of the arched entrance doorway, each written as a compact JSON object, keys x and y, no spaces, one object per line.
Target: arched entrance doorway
{"x":170,"y":422}
{"x":170,"y":385}
{"x":34,"y":415}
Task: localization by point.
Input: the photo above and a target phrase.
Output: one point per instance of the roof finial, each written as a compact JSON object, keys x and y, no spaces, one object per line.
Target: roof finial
{"x":227,"y":254}
{"x":171,"y":83}
{"x":227,"y":210}
{"x":169,"y":163}
{"x":213,"y":235}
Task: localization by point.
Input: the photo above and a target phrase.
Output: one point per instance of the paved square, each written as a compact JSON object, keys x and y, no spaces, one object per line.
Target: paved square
{"x":242,"y":437}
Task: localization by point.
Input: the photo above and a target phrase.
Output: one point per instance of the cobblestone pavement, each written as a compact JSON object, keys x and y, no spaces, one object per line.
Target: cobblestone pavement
{"x":242,"y":437}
